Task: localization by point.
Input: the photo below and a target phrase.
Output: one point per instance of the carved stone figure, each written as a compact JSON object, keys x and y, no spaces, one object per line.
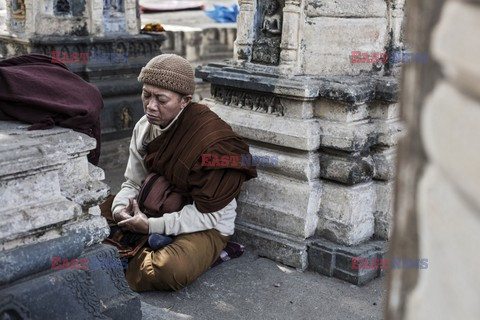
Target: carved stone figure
{"x":18,"y":9}
{"x":62,"y":7}
{"x":272,"y":22}
{"x":247,"y":100}
{"x":266,"y":47}
{"x":112,"y":8}
{"x":125,"y":118}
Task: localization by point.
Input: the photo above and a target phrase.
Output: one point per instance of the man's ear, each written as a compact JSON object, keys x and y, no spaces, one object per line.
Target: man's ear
{"x":186,"y":100}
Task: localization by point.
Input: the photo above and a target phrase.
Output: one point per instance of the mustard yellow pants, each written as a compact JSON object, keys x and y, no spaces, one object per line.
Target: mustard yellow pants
{"x":176,"y":265}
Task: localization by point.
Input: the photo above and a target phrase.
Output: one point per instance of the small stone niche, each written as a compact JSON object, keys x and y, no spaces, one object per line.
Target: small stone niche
{"x":268,"y":32}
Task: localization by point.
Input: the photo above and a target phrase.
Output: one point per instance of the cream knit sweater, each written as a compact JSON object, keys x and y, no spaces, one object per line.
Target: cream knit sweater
{"x":188,"y":219}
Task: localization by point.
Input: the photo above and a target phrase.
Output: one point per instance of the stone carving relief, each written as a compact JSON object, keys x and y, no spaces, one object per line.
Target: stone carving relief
{"x":114,"y":16}
{"x":272,"y":22}
{"x":82,"y":285}
{"x":136,"y":47}
{"x":62,"y":7}
{"x":11,"y":308}
{"x":116,"y":274}
{"x":266,"y":47}
{"x":18,"y":9}
{"x":259,"y":102}
{"x":126,"y":118}
{"x":112,"y":7}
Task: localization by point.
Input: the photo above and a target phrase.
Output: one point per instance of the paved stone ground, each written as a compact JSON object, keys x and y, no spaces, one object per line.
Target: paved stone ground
{"x":257,"y":288}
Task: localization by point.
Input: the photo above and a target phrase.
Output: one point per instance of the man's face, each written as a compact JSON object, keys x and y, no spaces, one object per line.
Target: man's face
{"x":161,"y":105}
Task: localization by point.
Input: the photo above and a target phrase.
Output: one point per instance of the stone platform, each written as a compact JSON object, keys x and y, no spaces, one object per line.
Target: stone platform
{"x":335,"y":141}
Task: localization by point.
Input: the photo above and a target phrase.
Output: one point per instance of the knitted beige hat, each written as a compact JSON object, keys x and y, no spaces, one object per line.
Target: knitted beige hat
{"x":171,"y":72}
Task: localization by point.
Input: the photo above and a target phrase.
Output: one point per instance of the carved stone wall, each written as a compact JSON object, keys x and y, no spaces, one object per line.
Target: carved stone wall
{"x":319,"y":36}
{"x":268,"y":32}
{"x":334,"y":126}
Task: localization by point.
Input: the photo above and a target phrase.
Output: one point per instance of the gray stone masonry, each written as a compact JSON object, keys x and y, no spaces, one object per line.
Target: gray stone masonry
{"x":334,"y":139}
{"x":293,"y":93}
{"x":50,"y":196}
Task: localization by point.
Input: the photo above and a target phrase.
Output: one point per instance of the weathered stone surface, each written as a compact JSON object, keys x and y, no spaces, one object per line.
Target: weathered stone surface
{"x":346,"y":8}
{"x":28,"y":168}
{"x":95,"y":172}
{"x":26,"y":260}
{"x":36,"y":161}
{"x":332,"y":259}
{"x":302,"y":109}
{"x":397,"y":25}
{"x":352,"y":137}
{"x":267,"y":202}
{"x":326,"y":118}
{"x":285,"y":249}
{"x":384,"y":111}
{"x":301,"y":165}
{"x":335,"y":111}
{"x":100,"y":293}
{"x":342,"y":36}
{"x":74,"y":18}
{"x":303,"y":135}
{"x":346,"y":169}
{"x":358,"y":89}
{"x":383,"y":213}
{"x":51,"y":210}
{"x":388,"y":132}
{"x":93,"y":229}
{"x":436,"y":216}
{"x":384,"y":164}
{"x":20,"y":220}
{"x":346,"y":213}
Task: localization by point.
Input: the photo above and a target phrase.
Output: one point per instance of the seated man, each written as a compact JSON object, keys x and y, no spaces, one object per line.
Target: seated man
{"x":170,"y":140}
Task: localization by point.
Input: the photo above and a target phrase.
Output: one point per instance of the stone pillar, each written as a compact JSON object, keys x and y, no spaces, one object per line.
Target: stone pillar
{"x":332,"y":126}
{"x":243,"y":44}
{"x":292,"y":28}
{"x":437,"y":218}
{"x":50,"y":196}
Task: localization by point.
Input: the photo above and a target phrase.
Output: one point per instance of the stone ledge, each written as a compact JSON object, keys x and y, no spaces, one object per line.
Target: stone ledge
{"x":334,"y":260}
{"x":23,"y":261}
{"x":354,"y":89}
{"x":291,"y":251}
{"x":292,"y":133}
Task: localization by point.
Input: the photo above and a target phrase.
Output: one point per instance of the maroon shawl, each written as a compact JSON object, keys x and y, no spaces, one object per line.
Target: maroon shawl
{"x":45,"y":94}
{"x":176,"y":154}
